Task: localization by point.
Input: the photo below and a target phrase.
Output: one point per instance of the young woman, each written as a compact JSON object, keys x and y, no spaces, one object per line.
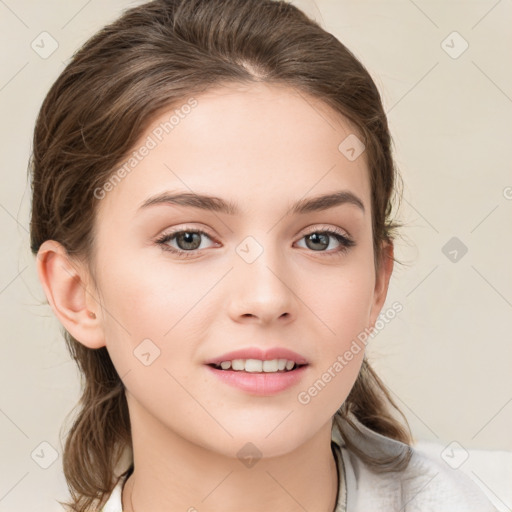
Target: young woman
{"x":212,"y":196}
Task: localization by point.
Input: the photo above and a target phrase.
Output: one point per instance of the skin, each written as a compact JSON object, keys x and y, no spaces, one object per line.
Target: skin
{"x":262,"y":147}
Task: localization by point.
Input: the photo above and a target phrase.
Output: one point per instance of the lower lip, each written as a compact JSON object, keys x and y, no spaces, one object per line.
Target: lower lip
{"x":262,"y":384}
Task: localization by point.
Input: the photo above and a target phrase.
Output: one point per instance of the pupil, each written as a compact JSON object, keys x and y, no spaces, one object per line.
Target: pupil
{"x":317,"y":238}
{"x":188,"y":239}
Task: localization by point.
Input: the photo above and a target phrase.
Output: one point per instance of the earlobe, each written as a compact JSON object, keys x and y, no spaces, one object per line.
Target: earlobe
{"x":382,"y":278}
{"x":65,"y":284}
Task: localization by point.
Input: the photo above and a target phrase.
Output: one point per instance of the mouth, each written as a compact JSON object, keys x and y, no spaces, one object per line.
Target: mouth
{"x":258,"y":366}
{"x":258,"y":371}
{"x":259,"y":377}
{"x":256,"y":359}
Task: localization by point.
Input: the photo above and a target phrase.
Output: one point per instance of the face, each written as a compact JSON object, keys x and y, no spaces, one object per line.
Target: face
{"x":182,"y":285}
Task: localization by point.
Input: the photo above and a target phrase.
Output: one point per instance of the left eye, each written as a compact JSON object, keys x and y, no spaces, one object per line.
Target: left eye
{"x":320,"y":241}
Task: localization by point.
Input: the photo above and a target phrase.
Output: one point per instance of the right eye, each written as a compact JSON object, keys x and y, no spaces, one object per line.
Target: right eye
{"x":188,"y":241}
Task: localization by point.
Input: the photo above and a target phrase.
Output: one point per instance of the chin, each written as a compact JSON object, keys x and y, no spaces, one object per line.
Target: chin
{"x":280,"y":439}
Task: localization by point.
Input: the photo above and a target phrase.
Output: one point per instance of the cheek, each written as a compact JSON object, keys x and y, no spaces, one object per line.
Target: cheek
{"x":146,"y":308}
{"x":159,"y":315}
{"x":153,"y":321}
{"x":149,"y":298}
{"x":339,"y":355}
{"x":341,"y":300}
{"x":346,"y":304}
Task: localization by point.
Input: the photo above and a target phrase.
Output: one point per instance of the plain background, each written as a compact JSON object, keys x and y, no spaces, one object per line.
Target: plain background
{"x":446,"y":357}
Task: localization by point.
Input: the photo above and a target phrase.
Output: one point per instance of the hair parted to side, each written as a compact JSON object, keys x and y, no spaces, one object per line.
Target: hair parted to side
{"x":156,"y":56}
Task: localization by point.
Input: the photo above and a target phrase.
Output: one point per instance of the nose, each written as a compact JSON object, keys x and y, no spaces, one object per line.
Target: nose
{"x":262,"y":291}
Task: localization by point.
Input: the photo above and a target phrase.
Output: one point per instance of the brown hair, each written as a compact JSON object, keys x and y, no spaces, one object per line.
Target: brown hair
{"x":155,"y":56}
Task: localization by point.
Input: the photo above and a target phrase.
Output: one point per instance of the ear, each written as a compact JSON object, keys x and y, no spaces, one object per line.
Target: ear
{"x":66,"y":284}
{"x":382,"y":278}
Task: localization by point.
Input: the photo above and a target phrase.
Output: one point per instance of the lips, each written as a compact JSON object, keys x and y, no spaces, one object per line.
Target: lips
{"x":260,"y":354}
{"x":260,"y":384}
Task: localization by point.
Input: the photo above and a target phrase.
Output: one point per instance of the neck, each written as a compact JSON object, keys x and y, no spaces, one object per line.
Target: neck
{"x":171,"y":473}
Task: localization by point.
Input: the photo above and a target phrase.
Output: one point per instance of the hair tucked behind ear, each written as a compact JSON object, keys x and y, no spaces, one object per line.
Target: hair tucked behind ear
{"x":156,"y":56}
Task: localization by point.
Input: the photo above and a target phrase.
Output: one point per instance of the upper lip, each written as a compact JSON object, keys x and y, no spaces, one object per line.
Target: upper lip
{"x":261,"y":354}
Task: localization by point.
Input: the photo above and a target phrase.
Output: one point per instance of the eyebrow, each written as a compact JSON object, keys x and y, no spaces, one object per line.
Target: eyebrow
{"x":217,"y":204}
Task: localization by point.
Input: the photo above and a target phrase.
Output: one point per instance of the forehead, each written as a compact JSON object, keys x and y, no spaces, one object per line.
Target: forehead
{"x":259,"y":143}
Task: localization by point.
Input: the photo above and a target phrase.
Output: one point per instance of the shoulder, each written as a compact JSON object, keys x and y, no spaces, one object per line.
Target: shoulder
{"x":425,"y":485}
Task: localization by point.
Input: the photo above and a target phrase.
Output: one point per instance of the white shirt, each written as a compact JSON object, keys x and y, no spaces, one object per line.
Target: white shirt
{"x":426,"y":485}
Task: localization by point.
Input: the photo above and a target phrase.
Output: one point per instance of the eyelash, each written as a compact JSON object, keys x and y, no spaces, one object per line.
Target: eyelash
{"x":345,"y":242}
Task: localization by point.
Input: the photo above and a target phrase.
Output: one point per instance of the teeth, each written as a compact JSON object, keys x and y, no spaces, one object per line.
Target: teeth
{"x":253,"y":365}
{"x":258,"y":366}
{"x":270,"y":366}
{"x":238,"y":364}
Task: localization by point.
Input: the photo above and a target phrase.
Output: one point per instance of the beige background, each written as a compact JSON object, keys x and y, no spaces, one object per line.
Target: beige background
{"x":446,"y":357}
